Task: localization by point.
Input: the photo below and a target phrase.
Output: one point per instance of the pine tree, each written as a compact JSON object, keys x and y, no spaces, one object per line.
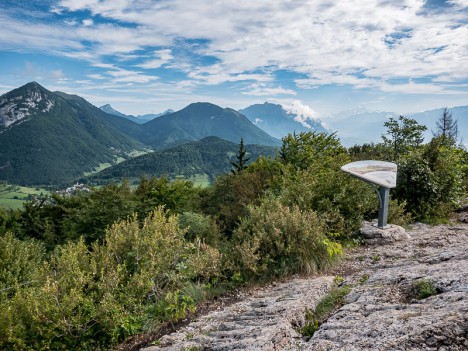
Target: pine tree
{"x":447,"y":128}
{"x":240,"y":165}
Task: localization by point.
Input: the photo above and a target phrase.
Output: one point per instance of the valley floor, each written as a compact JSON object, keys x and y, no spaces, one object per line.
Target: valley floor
{"x":382,"y":312}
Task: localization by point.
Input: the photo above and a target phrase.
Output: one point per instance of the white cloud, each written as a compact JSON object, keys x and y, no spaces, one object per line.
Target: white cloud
{"x":268,"y":90}
{"x":302,"y":112}
{"x":162,"y":57}
{"x":34,"y":72}
{"x":361,"y":43}
{"x":87,"y":22}
{"x":459,"y":3}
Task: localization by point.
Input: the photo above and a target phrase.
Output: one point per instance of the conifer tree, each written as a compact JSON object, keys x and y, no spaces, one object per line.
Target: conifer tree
{"x":447,"y":128}
{"x":241,"y":162}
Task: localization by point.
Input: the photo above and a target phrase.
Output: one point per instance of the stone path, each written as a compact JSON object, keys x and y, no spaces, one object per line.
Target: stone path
{"x":382,"y":310}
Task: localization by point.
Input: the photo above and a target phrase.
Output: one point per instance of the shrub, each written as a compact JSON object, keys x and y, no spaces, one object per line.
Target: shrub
{"x":323,"y":310}
{"x":20,"y":262}
{"x":197,"y":225}
{"x":229,"y":197}
{"x":277,"y":240}
{"x":430,"y":181}
{"x":425,"y":288}
{"x":92,"y":299}
{"x":340,"y":200}
{"x":397,"y":213}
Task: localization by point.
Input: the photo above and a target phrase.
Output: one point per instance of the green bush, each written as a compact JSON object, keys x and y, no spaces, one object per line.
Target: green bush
{"x":425,"y":288}
{"x":92,"y":299}
{"x":19,"y":263}
{"x":430,"y":180}
{"x":323,"y":310}
{"x":228,"y":198}
{"x":276,"y":240}
{"x":340,"y":200}
{"x":197,"y":225}
{"x":397,"y":213}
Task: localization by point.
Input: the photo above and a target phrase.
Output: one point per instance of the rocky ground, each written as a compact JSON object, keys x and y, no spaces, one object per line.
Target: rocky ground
{"x":383,"y":311}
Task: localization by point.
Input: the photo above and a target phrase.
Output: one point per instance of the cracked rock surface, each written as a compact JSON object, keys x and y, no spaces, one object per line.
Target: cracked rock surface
{"x":383,"y":311}
{"x":265,"y":321}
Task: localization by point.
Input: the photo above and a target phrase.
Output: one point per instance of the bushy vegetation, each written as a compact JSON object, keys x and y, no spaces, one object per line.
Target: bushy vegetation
{"x":85,"y":271}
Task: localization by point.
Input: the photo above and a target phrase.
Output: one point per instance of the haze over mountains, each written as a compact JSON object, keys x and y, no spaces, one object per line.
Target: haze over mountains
{"x":364,"y":126}
{"x":140,"y":119}
{"x":278,"y":122}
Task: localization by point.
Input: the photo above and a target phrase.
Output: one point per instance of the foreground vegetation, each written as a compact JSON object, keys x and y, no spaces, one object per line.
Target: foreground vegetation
{"x":85,"y":271}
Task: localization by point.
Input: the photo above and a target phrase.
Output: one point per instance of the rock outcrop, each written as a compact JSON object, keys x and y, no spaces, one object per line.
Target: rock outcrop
{"x":390,"y":307}
{"x":265,"y":321}
{"x":407,"y":295}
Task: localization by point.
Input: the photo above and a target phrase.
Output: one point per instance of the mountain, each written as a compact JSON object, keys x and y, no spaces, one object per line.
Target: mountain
{"x":366,"y":126}
{"x":150,"y":116}
{"x":209,"y":156}
{"x":107,"y":108}
{"x":429,"y":119}
{"x":199,"y":120}
{"x":278,"y":122}
{"x":140,"y":119}
{"x":52,"y":137}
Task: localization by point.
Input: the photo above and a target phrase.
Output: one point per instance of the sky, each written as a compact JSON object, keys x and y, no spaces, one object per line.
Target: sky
{"x":323,"y":56}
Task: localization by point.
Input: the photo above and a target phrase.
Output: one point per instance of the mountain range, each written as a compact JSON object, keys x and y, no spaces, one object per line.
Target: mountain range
{"x":52,"y":137}
{"x":140,"y":119}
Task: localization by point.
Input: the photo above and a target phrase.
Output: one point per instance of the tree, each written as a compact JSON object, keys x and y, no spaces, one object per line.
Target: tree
{"x":403,"y":134}
{"x":447,"y":128}
{"x":240,"y":165}
{"x":309,"y":148}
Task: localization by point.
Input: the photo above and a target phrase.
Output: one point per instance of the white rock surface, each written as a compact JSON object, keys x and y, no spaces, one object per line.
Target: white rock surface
{"x":382,"y":311}
{"x":374,"y":235}
{"x":266,"y":321}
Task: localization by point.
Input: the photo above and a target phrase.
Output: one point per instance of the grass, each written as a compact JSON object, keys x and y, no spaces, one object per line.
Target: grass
{"x":425,"y":288}
{"x":201,"y":180}
{"x":13,"y":196}
{"x":136,"y":153}
{"x":324,"y":309}
{"x":97,"y":169}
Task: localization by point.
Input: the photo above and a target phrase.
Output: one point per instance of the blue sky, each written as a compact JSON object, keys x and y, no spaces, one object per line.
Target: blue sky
{"x":323,"y":56}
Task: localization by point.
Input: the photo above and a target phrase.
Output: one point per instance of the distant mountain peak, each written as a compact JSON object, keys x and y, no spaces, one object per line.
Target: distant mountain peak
{"x":203,"y":106}
{"x":109,"y":109}
{"x":19,"y":104}
{"x":278,"y":120}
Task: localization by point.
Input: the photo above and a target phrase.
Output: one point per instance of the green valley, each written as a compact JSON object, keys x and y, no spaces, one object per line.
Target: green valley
{"x":198,"y":160}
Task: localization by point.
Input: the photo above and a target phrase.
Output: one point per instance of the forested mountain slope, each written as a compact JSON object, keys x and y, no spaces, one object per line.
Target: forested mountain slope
{"x":210,"y":156}
{"x":50,"y":138}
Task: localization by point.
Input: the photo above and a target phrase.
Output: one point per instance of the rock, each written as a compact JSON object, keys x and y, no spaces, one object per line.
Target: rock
{"x":383,"y":311}
{"x":266,"y":321}
{"x":390,"y":314}
{"x":374,"y":235}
